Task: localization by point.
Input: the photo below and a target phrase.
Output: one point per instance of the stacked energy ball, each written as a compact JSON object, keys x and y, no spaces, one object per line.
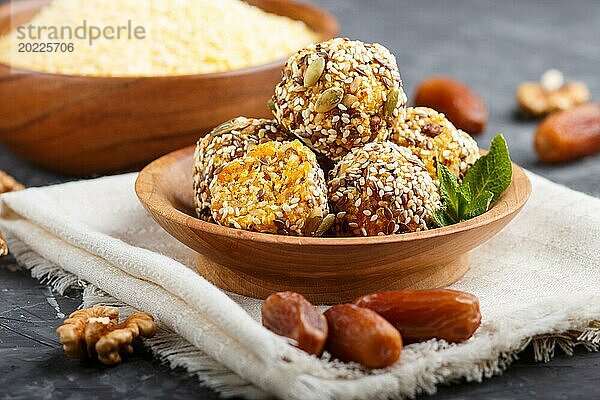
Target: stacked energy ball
{"x":339,"y":95}
{"x":339,"y":103}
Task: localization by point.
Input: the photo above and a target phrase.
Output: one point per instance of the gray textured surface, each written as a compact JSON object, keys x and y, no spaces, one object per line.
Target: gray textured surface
{"x":492,"y":46}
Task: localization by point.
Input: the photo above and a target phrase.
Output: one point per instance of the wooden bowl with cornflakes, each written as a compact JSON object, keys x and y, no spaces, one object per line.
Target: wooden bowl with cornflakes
{"x":81,"y":125}
{"x":324,"y":269}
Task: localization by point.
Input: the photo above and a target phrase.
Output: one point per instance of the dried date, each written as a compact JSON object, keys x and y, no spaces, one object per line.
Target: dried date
{"x":289,"y":314}
{"x":569,"y":135}
{"x":425,"y":314}
{"x":361,"y":335}
{"x":461,"y":105}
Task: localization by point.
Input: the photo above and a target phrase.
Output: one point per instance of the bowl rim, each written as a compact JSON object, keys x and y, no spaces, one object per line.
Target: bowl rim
{"x":332,"y":31}
{"x":157,"y":203}
{"x":209,"y":76}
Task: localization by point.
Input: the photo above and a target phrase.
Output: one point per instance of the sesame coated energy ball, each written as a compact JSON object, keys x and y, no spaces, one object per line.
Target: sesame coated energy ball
{"x":226,"y":142}
{"x":434,"y":139}
{"x":278,"y":187}
{"x":381,"y":189}
{"x":340,"y":94}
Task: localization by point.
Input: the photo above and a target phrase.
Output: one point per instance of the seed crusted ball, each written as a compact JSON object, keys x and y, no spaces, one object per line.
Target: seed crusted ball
{"x":228,"y":141}
{"x":381,"y":189}
{"x":276,"y":188}
{"x":433,"y":138}
{"x":340,"y":94}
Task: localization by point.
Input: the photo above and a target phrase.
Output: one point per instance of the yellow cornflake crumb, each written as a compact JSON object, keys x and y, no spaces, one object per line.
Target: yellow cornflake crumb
{"x":181,"y":37}
{"x":434,"y":139}
{"x":228,"y":141}
{"x":276,"y":188}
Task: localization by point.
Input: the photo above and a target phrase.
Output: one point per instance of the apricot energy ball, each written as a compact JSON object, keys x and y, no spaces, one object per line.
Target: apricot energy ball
{"x":381,"y":189}
{"x":434,"y":139}
{"x":340,"y":94}
{"x":228,"y":141}
{"x":278,"y":187}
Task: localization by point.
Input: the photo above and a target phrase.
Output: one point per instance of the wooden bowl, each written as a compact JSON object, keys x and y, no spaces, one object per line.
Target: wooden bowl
{"x":325,"y":270}
{"x":88,"y":125}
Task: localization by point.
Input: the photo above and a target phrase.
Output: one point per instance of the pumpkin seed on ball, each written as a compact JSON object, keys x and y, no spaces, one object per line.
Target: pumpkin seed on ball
{"x":329,"y":99}
{"x":314,"y":71}
{"x":326,"y":225}
{"x":391,"y":102}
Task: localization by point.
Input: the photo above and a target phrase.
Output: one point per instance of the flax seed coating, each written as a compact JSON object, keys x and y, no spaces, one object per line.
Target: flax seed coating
{"x":276,"y":188}
{"x":434,"y":139}
{"x":228,"y":141}
{"x":340,"y":94}
{"x":381,"y":189}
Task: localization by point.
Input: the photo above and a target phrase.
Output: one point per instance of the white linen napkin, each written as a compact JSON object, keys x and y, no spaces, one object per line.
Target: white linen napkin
{"x":538,"y":282}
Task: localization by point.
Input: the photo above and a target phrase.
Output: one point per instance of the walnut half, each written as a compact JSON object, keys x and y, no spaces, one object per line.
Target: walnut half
{"x":7,"y":184}
{"x":550,"y":94}
{"x":96,"y":332}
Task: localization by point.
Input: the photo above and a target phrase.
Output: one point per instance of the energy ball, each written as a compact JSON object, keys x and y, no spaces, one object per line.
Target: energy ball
{"x":434,"y":139}
{"x":276,"y":188}
{"x":381,"y":189}
{"x":340,"y":94}
{"x":228,"y":141}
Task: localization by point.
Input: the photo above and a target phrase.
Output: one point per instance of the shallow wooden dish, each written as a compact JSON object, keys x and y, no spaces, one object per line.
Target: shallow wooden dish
{"x":85,"y":125}
{"x":325,"y":270}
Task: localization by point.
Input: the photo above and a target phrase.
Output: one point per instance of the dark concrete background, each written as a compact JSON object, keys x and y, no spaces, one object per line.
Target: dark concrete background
{"x":491,"y":45}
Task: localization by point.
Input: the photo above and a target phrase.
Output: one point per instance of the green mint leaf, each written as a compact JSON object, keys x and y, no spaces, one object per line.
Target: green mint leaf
{"x":449,"y":191}
{"x":464,"y":198}
{"x":483,"y":184}
{"x":478,"y":205}
{"x":465,"y":190}
{"x":441,"y":217}
{"x":492,"y":172}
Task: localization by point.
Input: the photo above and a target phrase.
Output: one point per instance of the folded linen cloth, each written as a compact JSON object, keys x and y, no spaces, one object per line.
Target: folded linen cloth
{"x":538,"y":282}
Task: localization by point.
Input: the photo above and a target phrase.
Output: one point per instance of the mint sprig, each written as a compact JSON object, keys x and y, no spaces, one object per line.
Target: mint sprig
{"x":483,"y":184}
{"x":491,"y":172}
